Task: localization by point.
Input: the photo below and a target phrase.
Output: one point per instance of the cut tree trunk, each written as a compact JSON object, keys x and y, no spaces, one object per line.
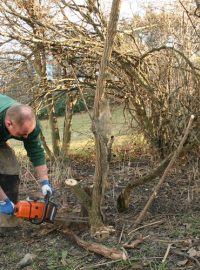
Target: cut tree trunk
{"x":80,"y":193}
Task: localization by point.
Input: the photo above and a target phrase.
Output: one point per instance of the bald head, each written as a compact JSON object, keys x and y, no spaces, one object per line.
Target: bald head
{"x":20,"y":120}
{"x":20,"y":114}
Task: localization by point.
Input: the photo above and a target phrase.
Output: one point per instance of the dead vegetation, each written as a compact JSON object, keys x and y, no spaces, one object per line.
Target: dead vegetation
{"x":151,"y":65}
{"x":168,"y":236}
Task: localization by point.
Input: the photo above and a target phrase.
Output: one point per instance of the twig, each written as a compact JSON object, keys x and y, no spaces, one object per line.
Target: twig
{"x":187,"y":13}
{"x":147,"y":225}
{"x":98,"y":264}
{"x":135,"y":243}
{"x":186,"y":256}
{"x":171,"y":163}
{"x":166,"y":253}
{"x":116,"y":261}
{"x":120,"y":237}
{"x":166,"y":241}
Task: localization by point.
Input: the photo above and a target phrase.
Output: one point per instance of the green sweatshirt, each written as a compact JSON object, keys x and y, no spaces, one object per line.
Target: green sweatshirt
{"x":32,"y":143}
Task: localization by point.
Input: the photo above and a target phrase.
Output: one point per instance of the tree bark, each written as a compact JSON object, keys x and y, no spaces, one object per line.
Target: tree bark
{"x":80,"y":193}
{"x":53,"y":124}
{"x":101,"y":114}
{"x":107,"y":252}
{"x":67,"y":127}
{"x":46,"y":148}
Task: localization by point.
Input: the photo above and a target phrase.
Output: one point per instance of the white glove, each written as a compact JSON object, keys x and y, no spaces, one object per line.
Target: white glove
{"x":46,"y":187}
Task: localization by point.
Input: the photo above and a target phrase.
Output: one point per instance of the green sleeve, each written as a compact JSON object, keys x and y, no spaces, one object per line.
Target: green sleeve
{"x":33,"y":146}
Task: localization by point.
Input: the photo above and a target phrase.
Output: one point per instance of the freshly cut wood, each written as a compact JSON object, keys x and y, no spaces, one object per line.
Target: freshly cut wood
{"x":80,"y":193}
{"x":71,"y":182}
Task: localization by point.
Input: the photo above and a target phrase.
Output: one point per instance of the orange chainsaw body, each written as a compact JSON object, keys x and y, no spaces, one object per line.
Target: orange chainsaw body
{"x":36,"y":211}
{"x":29,"y":209}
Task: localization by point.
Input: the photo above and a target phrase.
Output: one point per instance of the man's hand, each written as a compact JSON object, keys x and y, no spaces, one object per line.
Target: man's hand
{"x":46,"y":187}
{"x":6,"y":207}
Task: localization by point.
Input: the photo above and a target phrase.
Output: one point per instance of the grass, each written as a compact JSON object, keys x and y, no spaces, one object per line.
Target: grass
{"x":81,"y":127}
{"x":188,"y":226}
{"x":162,"y":266}
{"x":82,"y":137}
{"x":57,"y":259}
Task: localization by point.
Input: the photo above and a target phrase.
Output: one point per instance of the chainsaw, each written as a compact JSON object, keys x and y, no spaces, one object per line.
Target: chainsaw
{"x":36,"y":210}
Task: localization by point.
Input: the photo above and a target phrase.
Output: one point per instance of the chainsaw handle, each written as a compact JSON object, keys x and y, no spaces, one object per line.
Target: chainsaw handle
{"x":40,"y":221}
{"x":47,"y":197}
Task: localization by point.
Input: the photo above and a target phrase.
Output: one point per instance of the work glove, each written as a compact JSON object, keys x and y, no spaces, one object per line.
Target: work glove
{"x":46,"y":187}
{"x":6,"y":207}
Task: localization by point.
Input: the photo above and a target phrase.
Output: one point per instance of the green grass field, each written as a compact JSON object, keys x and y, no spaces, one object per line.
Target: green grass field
{"x":81,"y":129}
{"x":82,"y":137}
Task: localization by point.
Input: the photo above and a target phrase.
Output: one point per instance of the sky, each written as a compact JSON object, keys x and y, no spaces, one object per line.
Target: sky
{"x":129,"y":7}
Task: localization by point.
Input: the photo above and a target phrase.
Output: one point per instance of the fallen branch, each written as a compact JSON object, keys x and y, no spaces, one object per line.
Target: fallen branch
{"x":111,"y":253}
{"x":124,"y":198}
{"x":135,"y":243}
{"x":171,"y":163}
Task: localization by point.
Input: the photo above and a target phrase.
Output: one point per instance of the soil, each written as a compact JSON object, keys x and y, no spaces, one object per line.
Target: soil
{"x":170,"y":232}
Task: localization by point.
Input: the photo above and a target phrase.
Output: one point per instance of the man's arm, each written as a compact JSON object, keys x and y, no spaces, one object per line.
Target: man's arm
{"x":41,"y":172}
{"x":2,"y":195}
{"x":35,"y":152}
{"x":42,"y":176}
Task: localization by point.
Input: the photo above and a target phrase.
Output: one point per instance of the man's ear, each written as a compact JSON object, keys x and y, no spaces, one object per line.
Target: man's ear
{"x":8,"y":122}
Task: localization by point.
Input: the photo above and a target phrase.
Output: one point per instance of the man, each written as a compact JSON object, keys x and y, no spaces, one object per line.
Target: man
{"x":18,"y":121}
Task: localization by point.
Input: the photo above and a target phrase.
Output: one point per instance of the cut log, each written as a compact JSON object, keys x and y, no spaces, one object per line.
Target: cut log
{"x":105,"y":251}
{"x":81,"y":194}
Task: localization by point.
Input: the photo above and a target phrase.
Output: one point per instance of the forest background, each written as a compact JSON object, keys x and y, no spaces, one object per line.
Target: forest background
{"x":124,"y":84}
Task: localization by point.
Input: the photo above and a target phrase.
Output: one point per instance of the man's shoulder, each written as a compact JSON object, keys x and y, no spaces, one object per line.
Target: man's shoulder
{"x":36,"y":131}
{"x":6,"y":102}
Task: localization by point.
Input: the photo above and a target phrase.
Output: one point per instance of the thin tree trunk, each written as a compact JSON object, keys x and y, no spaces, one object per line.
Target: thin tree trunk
{"x":100,"y":124}
{"x":53,"y":125}
{"x":67,"y":127}
{"x":46,"y":148}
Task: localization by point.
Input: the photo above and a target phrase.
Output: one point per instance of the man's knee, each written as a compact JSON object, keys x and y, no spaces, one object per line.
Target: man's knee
{"x":8,"y":161}
{"x":10,"y":185}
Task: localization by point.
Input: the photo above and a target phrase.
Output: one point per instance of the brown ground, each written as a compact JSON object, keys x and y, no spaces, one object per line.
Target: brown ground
{"x":175,"y":214}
